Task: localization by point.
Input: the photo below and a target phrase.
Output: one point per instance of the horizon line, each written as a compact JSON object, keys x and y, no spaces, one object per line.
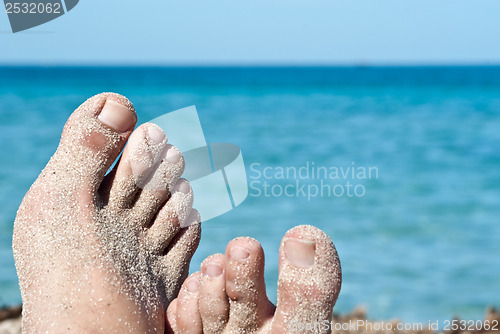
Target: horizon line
{"x":246,"y":65}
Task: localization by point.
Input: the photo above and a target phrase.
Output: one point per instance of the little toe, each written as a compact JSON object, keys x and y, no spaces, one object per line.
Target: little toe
{"x":250,"y":308}
{"x":213,"y":303}
{"x":188,"y":320}
{"x":171,"y":217}
{"x":309,"y":280}
{"x":92,"y":138}
{"x":178,"y":254}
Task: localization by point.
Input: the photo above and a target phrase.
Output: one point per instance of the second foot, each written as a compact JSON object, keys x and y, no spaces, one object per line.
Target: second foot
{"x":228,"y":295}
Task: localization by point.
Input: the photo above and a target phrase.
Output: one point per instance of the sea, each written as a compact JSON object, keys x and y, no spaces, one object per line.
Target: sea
{"x":400,"y":166}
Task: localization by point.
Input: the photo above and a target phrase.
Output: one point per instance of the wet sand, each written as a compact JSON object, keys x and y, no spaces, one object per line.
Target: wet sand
{"x":10,"y":323}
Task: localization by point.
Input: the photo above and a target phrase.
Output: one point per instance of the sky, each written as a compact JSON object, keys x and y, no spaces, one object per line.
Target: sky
{"x":262,"y":32}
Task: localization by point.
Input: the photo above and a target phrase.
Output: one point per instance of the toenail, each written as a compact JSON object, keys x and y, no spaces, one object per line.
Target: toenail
{"x":182,"y":186}
{"x":300,"y":252}
{"x":156,"y":134}
{"x":213,"y":269}
{"x":173,"y":155}
{"x":192,"y":285}
{"x":239,"y":253}
{"x":117,"y":116}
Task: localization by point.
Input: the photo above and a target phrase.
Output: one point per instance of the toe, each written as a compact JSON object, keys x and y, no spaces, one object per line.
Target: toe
{"x":145,"y":174}
{"x":213,"y":303}
{"x":309,"y":280}
{"x":178,"y":254}
{"x":159,"y":184}
{"x":188,"y":320}
{"x":93,"y":137}
{"x":171,"y":318}
{"x":171,"y":218}
{"x":245,"y":285}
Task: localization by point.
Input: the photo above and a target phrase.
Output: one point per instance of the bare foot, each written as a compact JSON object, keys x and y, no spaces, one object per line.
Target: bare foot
{"x":229,"y":294}
{"x":98,"y":253}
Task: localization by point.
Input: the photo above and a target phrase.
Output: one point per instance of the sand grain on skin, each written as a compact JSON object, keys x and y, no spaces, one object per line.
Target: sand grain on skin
{"x":76,"y":254}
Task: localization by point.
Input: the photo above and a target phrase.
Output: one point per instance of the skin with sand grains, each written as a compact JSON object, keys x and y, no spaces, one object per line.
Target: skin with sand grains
{"x":88,"y":250}
{"x":108,"y":253}
{"x":228,"y":294}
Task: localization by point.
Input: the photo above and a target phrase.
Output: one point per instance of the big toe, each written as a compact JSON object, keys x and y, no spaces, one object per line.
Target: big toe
{"x":309,"y":281}
{"x":92,"y":138}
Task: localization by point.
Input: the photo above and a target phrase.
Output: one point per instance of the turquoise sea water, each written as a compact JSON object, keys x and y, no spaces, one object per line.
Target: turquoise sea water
{"x":420,"y":243}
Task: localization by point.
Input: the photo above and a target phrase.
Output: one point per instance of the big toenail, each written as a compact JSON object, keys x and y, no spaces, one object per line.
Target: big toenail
{"x":192,"y":285}
{"x":239,"y":253}
{"x":156,"y":134}
{"x":182,"y":186}
{"x":300,"y":252}
{"x":213,"y":269}
{"x":117,"y":116}
{"x":173,"y":155}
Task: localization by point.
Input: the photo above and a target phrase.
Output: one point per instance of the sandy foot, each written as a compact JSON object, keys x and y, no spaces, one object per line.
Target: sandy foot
{"x":228,"y":295}
{"x":98,"y":253}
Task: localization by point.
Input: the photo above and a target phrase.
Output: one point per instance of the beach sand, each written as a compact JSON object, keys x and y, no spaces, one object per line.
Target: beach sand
{"x":10,"y":323}
{"x":10,"y":320}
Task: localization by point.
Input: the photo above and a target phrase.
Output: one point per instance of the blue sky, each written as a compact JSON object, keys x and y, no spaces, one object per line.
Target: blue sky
{"x":311,"y":32}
